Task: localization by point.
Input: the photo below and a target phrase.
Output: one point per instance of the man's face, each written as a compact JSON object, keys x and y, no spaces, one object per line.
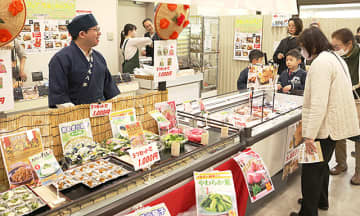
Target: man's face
{"x":149,"y":26}
{"x":92,"y":36}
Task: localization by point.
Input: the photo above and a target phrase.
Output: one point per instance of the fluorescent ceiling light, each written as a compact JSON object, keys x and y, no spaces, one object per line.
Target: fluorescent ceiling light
{"x":329,"y":6}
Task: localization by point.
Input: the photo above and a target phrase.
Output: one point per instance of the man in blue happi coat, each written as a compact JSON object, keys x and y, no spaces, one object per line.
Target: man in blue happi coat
{"x":78,"y":74}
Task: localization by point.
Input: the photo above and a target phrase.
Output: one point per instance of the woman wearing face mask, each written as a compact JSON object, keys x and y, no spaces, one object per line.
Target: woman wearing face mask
{"x":130,"y":47}
{"x":345,"y":46}
{"x":295,"y":27}
{"x":328,"y":114}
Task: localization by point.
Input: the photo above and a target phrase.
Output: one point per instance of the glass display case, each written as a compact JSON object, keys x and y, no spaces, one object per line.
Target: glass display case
{"x":183,"y":49}
{"x":204,"y":47}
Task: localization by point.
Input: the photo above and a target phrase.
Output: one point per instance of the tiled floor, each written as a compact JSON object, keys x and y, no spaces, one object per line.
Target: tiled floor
{"x":344,"y":198}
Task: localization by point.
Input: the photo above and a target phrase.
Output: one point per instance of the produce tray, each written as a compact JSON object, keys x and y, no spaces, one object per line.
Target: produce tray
{"x":81,"y":189}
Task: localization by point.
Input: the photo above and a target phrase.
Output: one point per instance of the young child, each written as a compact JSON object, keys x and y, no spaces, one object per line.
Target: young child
{"x":255,"y":57}
{"x":294,"y":77}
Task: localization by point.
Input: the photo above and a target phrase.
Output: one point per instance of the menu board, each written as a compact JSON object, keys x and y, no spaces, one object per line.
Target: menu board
{"x":41,"y":35}
{"x":6,"y":87}
{"x":168,"y":109}
{"x":46,"y":167}
{"x":248,"y":36}
{"x":257,"y":177}
{"x":16,"y":150}
{"x":165,"y":60}
{"x":215,"y":193}
{"x":119,"y":119}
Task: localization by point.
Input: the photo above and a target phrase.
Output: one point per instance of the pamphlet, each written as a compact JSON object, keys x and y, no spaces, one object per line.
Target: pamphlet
{"x":168,"y":109}
{"x":46,"y":167}
{"x":258,"y":180}
{"x":136,"y":134}
{"x":215,"y":193}
{"x":316,"y":157}
{"x":16,"y":149}
{"x":119,"y":119}
{"x":162,"y":122}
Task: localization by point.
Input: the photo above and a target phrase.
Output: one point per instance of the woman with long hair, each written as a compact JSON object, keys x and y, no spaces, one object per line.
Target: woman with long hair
{"x":295,"y":27}
{"x":130,"y":46}
{"x":328,"y":114}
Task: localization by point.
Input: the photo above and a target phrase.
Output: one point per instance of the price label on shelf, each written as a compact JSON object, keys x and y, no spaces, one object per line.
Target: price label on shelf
{"x":103,"y":109}
{"x":144,"y":156}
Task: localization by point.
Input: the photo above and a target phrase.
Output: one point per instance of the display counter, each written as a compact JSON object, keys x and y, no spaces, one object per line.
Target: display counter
{"x":41,"y":103}
{"x":266,"y":136}
{"x":185,"y":87}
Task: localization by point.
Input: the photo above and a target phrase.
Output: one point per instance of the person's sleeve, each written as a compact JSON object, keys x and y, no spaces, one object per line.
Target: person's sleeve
{"x":317,"y":87}
{"x":282,"y":79}
{"x":58,"y":82}
{"x":279,"y":49}
{"x":242,"y":80}
{"x":20,"y":51}
{"x":139,"y":42}
{"x":110,"y":88}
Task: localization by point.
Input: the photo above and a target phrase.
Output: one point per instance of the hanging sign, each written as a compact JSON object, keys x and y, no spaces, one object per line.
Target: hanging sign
{"x":165,"y":60}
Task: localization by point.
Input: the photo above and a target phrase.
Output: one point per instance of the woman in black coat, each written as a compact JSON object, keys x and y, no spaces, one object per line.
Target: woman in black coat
{"x":295,"y":27}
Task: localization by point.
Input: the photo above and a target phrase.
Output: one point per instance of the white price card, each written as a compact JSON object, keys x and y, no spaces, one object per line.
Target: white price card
{"x":144,"y":156}
{"x":103,"y":109}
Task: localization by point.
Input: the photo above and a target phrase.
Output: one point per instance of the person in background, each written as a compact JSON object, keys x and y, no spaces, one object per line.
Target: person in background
{"x":357,"y":36}
{"x":328,"y":114}
{"x":130,"y":47}
{"x":345,"y":46}
{"x":293,"y":78}
{"x":17,"y":55}
{"x":78,"y":74}
{"x":255,"y":57}
{"x":150,"y":32}
{"x":295,"y":27}
{"x":315,"y":24}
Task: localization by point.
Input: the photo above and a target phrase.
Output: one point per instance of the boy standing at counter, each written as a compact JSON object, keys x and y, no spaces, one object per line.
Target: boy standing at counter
{"x":255,"y":57}
{"x":294,"y":77}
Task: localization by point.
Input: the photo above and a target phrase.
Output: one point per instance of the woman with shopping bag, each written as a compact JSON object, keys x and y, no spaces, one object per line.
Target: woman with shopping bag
{"x":345,"y":46}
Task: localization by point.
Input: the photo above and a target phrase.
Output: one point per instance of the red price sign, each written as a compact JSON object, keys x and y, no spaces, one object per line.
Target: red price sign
{"x":144,"y":156}
{"x":103,"y":109}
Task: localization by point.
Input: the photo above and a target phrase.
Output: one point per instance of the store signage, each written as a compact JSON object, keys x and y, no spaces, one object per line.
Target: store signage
{"x":16,"y":150}
{"x":46,"y":167}
{"x":165,"y":60}
{"x":144,"y":156}
{"x":51,"y":9}
{"x":6,"y":87}
{"x":256,"y":175}
{"x":215,"y":193}
{"x":103,"y":109}
{"x":119,"y":119}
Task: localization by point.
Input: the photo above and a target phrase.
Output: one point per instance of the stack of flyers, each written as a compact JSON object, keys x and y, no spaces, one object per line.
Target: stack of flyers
{"x":256,"y":175}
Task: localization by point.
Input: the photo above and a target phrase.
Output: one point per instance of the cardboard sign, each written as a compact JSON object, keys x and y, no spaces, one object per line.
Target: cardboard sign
{"x":46,"y":167}
{"x":6,"y":87}
{"x":165,"y":60}
{"x":144,"y":156}
{"x":215,"y":193}
{"x":136,"y":134}
{"x":103,"y":109}
{"x":16,"y":149}
{"x":119,"y":119}
{"x":256,"y":175}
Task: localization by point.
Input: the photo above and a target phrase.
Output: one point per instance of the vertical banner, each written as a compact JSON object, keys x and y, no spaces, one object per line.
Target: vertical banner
{"x":165,"y":60}
{"x":6,"y":87}
{"x":248,"y":36}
